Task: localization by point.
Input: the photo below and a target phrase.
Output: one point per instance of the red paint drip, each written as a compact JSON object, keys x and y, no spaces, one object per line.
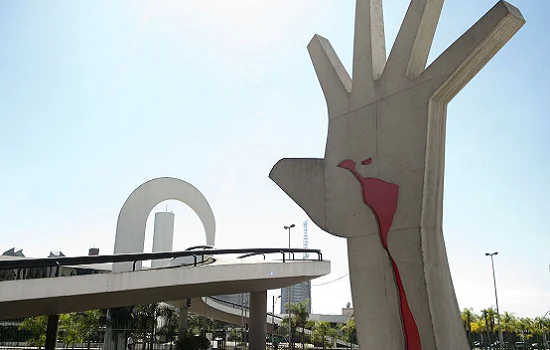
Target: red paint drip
{"x":381,"y":197}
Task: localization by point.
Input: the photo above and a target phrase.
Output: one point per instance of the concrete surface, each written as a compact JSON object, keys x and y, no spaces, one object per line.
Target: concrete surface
{"x":130,"y":229}
{"x":395,"y":113}
{"x":49,"y":296}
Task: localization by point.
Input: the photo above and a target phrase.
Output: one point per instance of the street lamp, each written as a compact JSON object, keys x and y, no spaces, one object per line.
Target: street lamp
{"x":289,"y":294}
{"x":545,"y":345}
{"x":288,"y":228}
{"x":273,"y":315}
{"x":496,"y":294}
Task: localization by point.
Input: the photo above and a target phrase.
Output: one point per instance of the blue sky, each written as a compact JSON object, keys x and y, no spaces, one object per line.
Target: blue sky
{"x":99,"y":97}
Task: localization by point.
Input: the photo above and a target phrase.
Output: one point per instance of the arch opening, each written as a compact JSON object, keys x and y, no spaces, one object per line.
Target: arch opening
{"x":132,"y":219}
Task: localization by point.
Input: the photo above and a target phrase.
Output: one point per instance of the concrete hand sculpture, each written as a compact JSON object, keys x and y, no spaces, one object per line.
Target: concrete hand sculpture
{"x":390,"y":118}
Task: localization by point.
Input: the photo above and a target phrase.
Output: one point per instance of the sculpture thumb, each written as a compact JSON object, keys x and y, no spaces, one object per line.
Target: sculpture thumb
{"x":303,"y":180}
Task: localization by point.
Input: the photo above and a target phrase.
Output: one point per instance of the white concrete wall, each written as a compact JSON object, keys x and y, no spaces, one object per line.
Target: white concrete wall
{"x":130,"y":230}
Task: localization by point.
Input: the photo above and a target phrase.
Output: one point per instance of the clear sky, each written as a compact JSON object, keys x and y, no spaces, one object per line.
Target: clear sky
{"x":98,"y":97}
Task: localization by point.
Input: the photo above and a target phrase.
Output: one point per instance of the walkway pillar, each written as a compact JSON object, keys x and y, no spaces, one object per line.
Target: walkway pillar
{"x":182,"y":324}
{"x":51,"y":332}
{"x":257,"y":320}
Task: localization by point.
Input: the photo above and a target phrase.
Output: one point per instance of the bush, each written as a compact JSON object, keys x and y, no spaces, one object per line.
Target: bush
{"x":189,"y":341}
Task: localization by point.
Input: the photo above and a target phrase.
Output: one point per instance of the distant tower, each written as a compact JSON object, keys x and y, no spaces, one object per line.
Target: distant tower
{"x":306,"y":240}
{"x":163,"y":236}
{"x":301,"y":291}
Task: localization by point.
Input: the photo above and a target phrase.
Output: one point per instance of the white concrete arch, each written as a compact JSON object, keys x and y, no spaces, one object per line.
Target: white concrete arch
{"x":130,"y":229}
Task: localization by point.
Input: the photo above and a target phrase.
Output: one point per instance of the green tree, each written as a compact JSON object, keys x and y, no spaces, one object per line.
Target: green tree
{"x":169,"y":325}
{"x":349,"y":331}
{"x":489,"y":315}
{"x":467,"y":318}
{"x":300,"y":316}
{"x":235,"y":335}
{"x":324,"y":334}
{"x":147,"y":318}
{"x":539,"y":329}
{"x":508,"y":323}
{"x":190,"y":341}
{"x":36,"y":328}
{"x":71,"y":330}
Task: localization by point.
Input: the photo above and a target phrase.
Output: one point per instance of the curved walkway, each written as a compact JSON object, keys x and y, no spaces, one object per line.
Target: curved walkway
{"x":48,"y":296}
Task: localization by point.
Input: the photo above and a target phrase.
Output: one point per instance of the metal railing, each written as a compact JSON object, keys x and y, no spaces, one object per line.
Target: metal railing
{"x":58,"y":262}
{"x":307,"y":331}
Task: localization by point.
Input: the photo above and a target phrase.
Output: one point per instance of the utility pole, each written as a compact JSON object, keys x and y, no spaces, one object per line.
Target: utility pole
{"x":496,"y":297}
{"x":273,"y":318}
{"x":289,"y":294}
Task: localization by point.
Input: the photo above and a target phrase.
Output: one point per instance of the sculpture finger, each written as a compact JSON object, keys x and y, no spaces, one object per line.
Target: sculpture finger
{"x":469,"y":53}
{"x":304,"y":181}
{"x":412,"y":46}
{"x":369,"y":50}
{"x":332,"y":75}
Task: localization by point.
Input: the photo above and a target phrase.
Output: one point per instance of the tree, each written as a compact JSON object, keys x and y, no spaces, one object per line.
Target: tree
{"x":235,"y":335}
{"x":508,"y":323}
{"x":300,"y":316}
{"x":71,"y":330}
{"x":349,"y":331}
{"x":147,"y":318}
{"x":189,"y":341}
{"x":36,"y":328}
{"x":478,"y":327}
{"x":324,"y":334}
{"x":91,"y":323}
{"x":489,"y":315}
{"x":169,"y":325}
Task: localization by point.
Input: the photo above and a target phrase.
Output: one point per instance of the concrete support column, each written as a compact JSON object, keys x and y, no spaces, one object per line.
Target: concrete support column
{"x":182,"y":327}
{"x":257,"y":323}
{"x":51,"y":332}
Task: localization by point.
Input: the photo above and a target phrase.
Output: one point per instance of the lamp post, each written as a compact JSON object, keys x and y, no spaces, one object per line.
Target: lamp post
{"x":545,"y":345}
{"x":289,"y":294}
{"x":273,"y":316}
{"x":496,"y":296}
{"x":288,"y":228}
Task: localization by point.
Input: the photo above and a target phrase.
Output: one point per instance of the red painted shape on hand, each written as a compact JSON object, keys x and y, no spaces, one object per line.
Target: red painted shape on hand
{"x":381,"y":197}
{"x":367,"y":161}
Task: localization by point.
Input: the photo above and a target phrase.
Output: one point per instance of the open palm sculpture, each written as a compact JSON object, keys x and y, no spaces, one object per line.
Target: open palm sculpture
{"x":385,"y":152}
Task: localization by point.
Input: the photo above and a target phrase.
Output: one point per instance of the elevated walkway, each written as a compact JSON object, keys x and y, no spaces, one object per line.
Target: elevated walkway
{"x":47,"y":296}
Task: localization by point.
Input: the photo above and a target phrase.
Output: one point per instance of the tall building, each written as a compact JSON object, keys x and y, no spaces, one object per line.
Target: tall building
{"x":163,"y":236}
{"x":299,"y":292}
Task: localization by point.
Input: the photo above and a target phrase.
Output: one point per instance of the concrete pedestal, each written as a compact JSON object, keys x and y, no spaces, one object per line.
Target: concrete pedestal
{"x":257,"y":324}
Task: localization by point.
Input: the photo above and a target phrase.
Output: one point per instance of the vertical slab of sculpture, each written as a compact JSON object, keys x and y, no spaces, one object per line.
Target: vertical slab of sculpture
{"x":380,"y":184}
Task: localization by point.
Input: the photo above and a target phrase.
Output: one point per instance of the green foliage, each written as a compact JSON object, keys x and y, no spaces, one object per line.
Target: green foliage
{"x":299,"y":318}
{"x":324,"y":335}
{"x":235,"y":335}
{"x":36,"y":328}
{"x":349,"y":331}
{"x":190,"y":341}
{"x":484,"y":327}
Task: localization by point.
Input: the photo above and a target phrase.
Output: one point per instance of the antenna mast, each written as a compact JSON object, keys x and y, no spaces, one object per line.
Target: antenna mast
{"x":306,"y":240}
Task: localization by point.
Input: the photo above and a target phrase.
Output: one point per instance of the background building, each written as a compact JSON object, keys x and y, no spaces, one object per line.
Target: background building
{"x":299,"y":292}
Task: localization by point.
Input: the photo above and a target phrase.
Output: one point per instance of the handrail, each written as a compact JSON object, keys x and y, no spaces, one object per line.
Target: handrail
{"x":249,"y":255}
{"x":25,"y":263}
